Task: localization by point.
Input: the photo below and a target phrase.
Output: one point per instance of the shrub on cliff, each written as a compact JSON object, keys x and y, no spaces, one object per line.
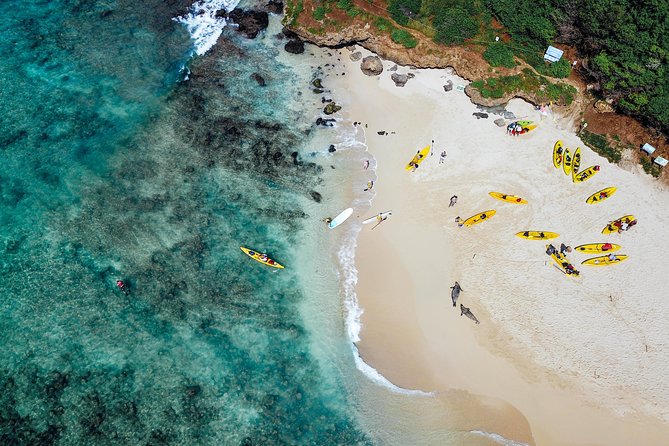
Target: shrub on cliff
{"x":454,"y":25}
{"x":401,"y":10}
{"x":404,"y":38}
{"x":499,"y":54}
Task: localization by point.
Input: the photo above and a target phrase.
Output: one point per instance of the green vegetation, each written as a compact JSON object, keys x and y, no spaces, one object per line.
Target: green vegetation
{"x":499,"y":55}
{"x":528,"y":81}
{"x":599,"y":144}
{"x":403,"y":37}
{"x":650,"y":167}
{"x":319,"y":13}
{"x":293,"y":10}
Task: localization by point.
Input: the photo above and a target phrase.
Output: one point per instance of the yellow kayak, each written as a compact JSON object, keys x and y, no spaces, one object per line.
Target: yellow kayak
{"x":616,"y":225}
{"x":509,"y":198}
{"x":418,"y":158}
{"x":605,"y":260}
{"x":557,"y":154}
{"x":600,"y":195}
{"x":566,"y":162}
{"x":478,"y":218}
{"x":586,"y":174}
{"x":537,"y":235}
{"x":593,"y":248}
{"x":575,"y":163}
{"x":262,"y":258}
{"x":563,"y":263}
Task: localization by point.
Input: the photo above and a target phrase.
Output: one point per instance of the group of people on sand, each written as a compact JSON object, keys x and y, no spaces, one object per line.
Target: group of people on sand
{"x":622,"y":225}
{"x":561,"y":256}
{"x":515,"y":129}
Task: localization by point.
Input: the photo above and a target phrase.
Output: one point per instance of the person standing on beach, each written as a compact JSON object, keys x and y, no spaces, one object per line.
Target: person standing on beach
{"x":458,"y":220}
{"x":442,"y":157}
{"x":370,"y":185}
{"x":432,"y":147}
{"x":454,"y":199}
{"x":365,"y":164}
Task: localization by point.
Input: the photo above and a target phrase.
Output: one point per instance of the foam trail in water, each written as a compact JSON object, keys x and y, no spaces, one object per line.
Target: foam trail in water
{"x":353,"y":311}
{"x":498,"y":438}
{"x":203,"y":25}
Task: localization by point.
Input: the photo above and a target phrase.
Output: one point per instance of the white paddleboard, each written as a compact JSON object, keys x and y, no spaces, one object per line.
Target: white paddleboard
{"x":376,"y":217}
{"x":341,"y":218}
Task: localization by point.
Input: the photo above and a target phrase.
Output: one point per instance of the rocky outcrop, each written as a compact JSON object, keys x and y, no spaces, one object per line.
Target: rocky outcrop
{"x":356,"y":56}
{"x":371,"y":66}
{"x":448,"y":86}
{"x":331,"y":108}
{"x":294,"y":46}
{"x":250,"y":23}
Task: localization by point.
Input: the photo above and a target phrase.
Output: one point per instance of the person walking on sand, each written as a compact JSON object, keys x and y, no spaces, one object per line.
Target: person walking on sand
{"x":365,"y":164}
{"x":458,"y":220}
{"x":442,"y":157}
{"x":370,"y":185}
{"x":432,"y":147}
{"x":454,"y":199}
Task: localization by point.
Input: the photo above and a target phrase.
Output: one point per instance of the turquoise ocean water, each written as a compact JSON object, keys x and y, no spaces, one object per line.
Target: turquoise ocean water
{"x":116,"y":168}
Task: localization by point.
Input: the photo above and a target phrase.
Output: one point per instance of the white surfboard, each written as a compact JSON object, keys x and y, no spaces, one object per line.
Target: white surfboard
{"x":376,"y":217}
{"x":341,"y":218}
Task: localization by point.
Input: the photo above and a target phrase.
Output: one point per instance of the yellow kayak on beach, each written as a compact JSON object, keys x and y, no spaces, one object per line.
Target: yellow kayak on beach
{"x":601,"y":195}
{"x":575,"y":163}
{"x":563,"y":263}
{"x":509,"y":198}
{"x":594,"y":248}
{"x":616,"y":225}
{"x":557,"y":154}
{"x":566,"y":162}
{"x":585,"y":175}
{"x":478,"y":218}
{"x":418,"y":158}
{"x":604,"y":260}
{"x":537,"y":235}
{"x":262,"y":258}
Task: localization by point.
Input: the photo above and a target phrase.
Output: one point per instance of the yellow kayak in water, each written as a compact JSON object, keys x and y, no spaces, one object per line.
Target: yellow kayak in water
{"x":418,"y":158}
{"x":478,"y":218}
{"x":594,"y":248}
{"x":566,"y":162}
{"x":605,"y":260}
{"x":601,"y":195}
{"x":262,"y":258}
{"x":509,"y":198}
{"x":575,"y":163}
{"x":557,"y":154}
{"x":585,"y":174}
{"x":537,"y":235}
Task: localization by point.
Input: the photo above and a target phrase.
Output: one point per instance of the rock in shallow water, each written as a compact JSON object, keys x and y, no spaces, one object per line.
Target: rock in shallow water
{"x":294,"y":46}
{"x":331,"y":108}
{"x":259,"y":79}
{"x":250,"y":22}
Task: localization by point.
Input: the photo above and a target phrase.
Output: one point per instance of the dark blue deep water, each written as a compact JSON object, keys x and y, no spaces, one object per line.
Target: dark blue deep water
{"x":113,"y":168}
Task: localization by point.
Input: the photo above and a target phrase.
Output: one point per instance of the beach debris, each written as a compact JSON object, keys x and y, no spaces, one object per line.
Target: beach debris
{"x":455,"y":292}
{"x":371,"y":66}
{"x":356,"y":56}
{"x":448,"y":86}
{"x":464,"y":311}
{"x":480,"y":115}
{"x":500,"y":122}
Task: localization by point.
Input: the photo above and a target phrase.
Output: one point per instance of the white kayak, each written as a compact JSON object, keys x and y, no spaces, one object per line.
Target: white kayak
{"x":341,"y":218}
{"x":378,"y":217}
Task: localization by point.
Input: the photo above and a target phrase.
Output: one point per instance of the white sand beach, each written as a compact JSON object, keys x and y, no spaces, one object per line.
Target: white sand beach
{"x":583,"y":360}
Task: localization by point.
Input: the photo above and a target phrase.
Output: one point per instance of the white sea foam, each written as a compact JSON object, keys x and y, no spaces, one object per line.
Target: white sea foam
{"x":353,"y":312}
{"x":498,"y":438}
{"x":203,"y":25}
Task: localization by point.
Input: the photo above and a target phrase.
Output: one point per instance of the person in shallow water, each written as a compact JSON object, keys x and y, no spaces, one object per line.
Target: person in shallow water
{"x":122,"y":286}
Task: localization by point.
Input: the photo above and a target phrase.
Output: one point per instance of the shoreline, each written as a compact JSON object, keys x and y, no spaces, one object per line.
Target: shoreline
{"x":379,"y":312}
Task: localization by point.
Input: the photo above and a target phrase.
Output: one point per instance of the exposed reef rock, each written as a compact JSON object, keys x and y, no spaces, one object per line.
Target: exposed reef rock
{"x":399,"y":79}
{"x":250,"y":23}
{"x":331,"y":108}
{"x":356,"y":56}
{"x":295,"y":46}
{"x":448,"y":86}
